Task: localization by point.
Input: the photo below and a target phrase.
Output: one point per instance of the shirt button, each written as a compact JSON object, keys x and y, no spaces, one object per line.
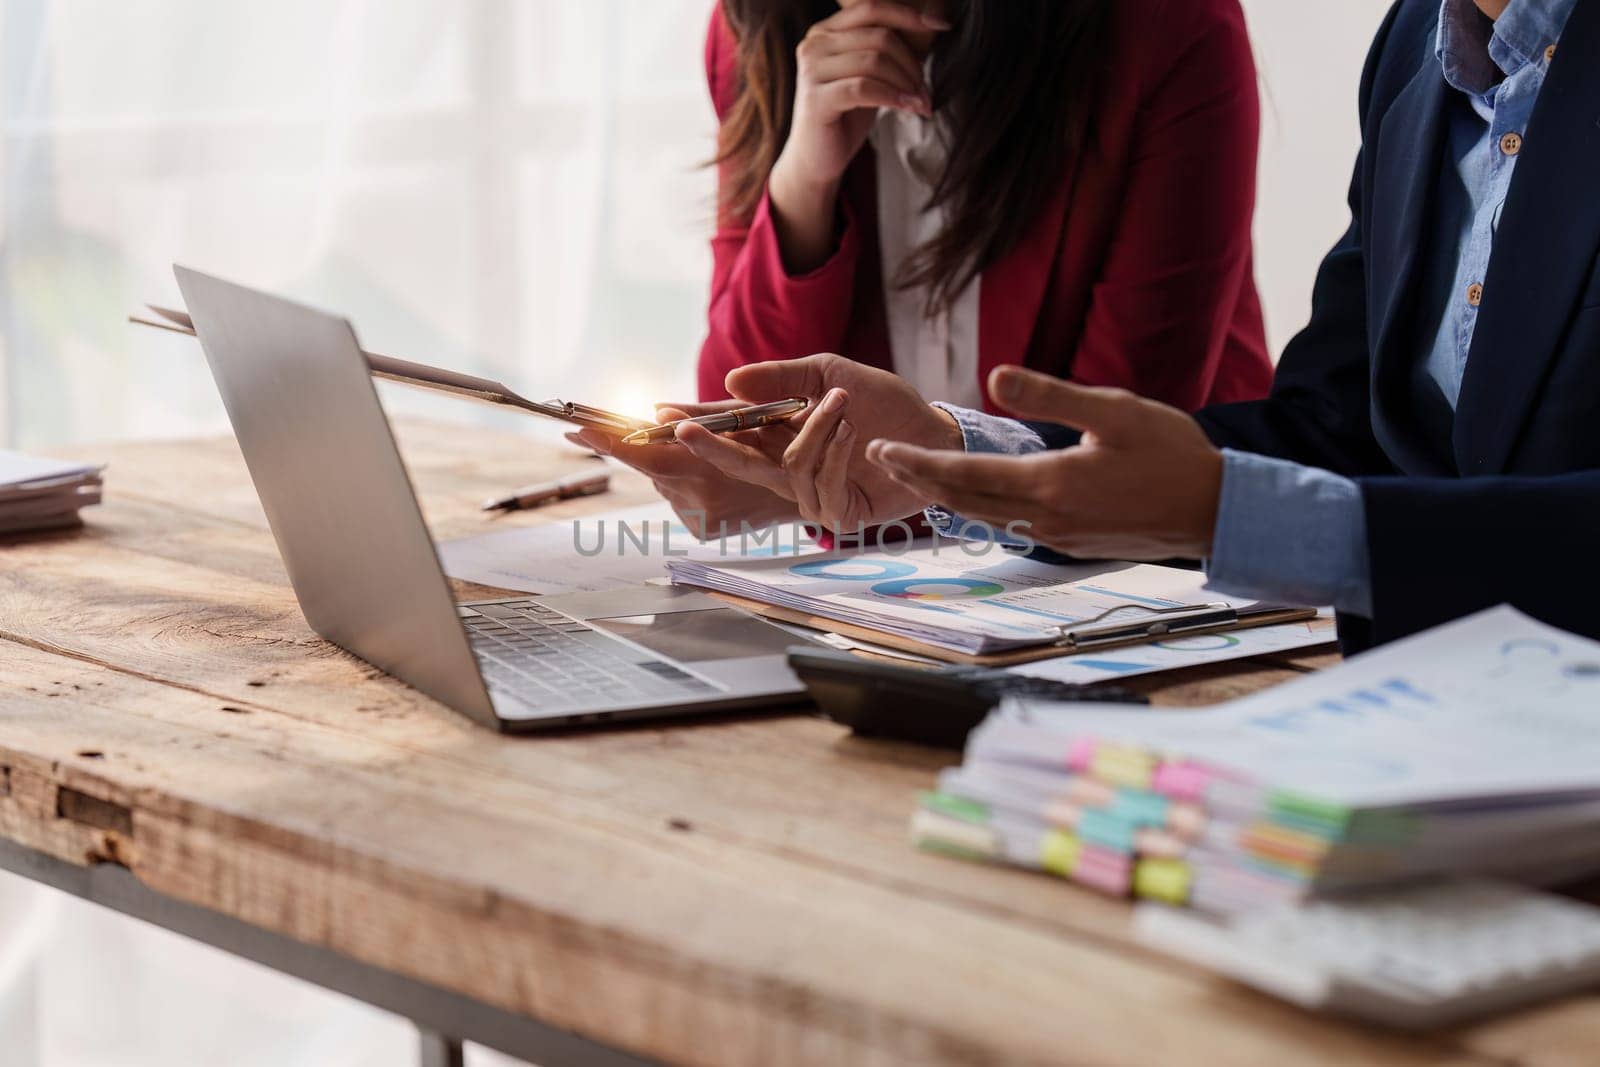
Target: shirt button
{"x":1511,"y":144}
{"x":1474,"y":294}
{"x":1550,"y":54}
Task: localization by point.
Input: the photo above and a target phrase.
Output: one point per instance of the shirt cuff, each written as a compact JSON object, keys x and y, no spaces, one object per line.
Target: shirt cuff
{"x":993,"y":434}
{"x":987,"y":434}
{"x":1290,"y":534}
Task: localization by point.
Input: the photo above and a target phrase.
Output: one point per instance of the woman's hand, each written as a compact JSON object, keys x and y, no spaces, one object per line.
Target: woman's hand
{"x":849,"y":65}
{"x":706,"y":500}
{"x":818,"y":461}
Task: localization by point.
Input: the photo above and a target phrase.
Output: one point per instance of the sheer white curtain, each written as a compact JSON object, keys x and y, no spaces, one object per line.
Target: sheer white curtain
{"x":507,"y":186}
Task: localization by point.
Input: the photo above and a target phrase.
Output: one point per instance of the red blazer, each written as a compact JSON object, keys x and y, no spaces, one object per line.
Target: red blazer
{"x":1138,"y":273}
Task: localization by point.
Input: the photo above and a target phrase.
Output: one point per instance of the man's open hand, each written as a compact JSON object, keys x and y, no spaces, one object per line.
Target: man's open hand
{"x":1144,"y":484}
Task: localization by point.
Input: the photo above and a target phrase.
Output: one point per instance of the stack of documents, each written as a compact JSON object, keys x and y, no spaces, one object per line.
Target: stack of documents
{"x":1474,"y":748}
{"x":44,"y":494}
{"x":941,"y":596}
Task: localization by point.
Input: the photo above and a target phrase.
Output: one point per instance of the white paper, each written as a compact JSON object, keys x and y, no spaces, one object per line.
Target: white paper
{"x":1493,"y":706}
{"x":1091,"y":667}
{"x":17,"y":469}
{"x":595,"y":553}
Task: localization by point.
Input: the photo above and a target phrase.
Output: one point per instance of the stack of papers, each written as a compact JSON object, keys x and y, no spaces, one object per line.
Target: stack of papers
{"x":44,"y":494}
{"x":1472,"y":749}
{"x":940,"y":595}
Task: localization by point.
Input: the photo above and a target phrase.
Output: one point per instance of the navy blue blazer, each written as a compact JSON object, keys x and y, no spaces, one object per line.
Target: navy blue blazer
{"x":1502,"y":502}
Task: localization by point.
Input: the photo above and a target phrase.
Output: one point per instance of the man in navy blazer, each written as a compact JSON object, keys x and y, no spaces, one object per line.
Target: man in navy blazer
{"x":1431,"y":445}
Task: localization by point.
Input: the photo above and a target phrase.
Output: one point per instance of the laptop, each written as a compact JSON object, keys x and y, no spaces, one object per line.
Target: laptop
{"x":364,"y":569}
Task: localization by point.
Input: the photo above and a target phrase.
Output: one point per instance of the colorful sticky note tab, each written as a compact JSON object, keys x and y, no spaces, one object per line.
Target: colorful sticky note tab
{"x":1140,"y":807}
{"x":1105,"y":870}
{"x":1284,"y":845}
{"x":1165,"y":880}
{"x":1121,"y":765}
{"x":1106,"y":829}
{"x":1080,"y":755}
{"x":1181,"y":781}
{"x":956,"y":807}
{"x":1060,"y":853}
{"x":1333,"y":816}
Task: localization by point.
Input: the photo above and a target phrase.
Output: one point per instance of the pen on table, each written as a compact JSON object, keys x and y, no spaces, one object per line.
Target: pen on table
{"x":723,"y":421}
{"x":568,"y":488}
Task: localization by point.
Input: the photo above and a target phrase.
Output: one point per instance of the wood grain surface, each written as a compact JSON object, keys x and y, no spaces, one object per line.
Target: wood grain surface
{"x":734,"y":892}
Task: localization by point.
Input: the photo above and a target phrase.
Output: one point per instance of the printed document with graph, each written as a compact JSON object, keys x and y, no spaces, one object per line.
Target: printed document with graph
{"x":939,"y":594}
{"x":1495,"y":707}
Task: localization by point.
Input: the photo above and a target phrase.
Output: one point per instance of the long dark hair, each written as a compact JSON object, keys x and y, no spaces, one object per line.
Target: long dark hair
{"x":1017,"y":78}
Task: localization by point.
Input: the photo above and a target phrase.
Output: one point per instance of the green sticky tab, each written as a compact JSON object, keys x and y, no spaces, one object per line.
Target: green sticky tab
{"x":1292,"y":805}
{"x":1306,"y":824}
{"x":1106,"y":830}
{"x":1165,"y":880}
{"x":956,"y":807}
{"x":1060,"y":853}
{"x":1141,"y":807}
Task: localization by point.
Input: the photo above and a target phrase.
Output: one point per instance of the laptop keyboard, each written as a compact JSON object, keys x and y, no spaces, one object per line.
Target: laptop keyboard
{"x":554,"y":663}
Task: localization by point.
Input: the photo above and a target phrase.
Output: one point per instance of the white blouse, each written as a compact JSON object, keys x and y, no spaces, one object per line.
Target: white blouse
{"x":937,"y":353}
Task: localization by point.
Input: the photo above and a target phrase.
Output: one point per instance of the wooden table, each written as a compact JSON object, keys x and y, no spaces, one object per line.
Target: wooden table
{"x":174,"y":741}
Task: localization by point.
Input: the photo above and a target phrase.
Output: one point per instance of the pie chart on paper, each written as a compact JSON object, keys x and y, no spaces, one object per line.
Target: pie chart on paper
{"x":852,"y":570}
{"x":938,"y":589}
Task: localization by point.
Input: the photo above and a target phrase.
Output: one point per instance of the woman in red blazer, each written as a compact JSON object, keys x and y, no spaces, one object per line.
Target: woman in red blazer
{"x":1091,"y":204}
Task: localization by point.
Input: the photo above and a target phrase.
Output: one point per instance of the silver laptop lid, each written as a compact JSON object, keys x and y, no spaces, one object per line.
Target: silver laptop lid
{"x":336,"y":493}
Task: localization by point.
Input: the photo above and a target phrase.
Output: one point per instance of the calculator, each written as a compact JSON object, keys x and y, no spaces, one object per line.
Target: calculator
{"x":935,"y":706}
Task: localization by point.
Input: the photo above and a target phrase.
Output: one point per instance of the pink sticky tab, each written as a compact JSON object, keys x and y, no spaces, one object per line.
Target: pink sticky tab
{"x":1181,"y":781}
{"x":1080,"y":755}
{"x":1106,"y":872}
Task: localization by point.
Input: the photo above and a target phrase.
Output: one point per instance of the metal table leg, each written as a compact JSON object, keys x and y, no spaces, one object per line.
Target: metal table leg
{"x":437,"y":1050}
{"x":436,"y":1012}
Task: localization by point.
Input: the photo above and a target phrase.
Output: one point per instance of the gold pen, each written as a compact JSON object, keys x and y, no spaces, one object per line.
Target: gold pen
{"x":723,"y":421}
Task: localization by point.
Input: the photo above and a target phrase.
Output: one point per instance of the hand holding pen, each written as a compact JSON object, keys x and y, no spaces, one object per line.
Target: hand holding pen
{"x":723,"y":422}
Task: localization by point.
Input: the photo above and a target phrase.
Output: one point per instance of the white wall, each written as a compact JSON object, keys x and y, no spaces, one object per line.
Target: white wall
{"x":1310,"y":54}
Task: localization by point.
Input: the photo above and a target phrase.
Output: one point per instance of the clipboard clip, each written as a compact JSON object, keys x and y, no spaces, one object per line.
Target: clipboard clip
{"x":598,"y":418}
{"x":1154,"y":623}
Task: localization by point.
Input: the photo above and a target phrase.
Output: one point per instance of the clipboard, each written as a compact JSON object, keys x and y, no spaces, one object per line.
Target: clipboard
{"x":438,"y":380}
{"x":1274,"y":617}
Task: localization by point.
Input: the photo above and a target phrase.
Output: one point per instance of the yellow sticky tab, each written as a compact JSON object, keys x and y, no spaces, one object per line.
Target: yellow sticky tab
{"x":1166,"y":880}
{"x":1060,"y":853}
{"x":1123,"y":766}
